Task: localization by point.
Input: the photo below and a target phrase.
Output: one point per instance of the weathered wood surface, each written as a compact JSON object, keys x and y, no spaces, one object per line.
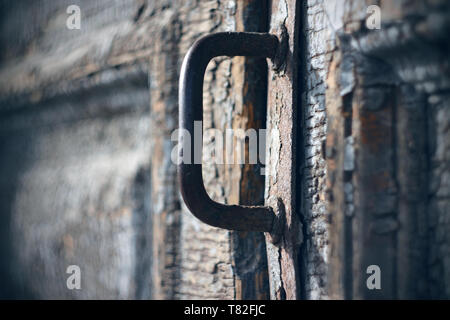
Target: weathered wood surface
{"x":75,"y":167}
{"x":382,"y":91}
{"x":102,"y":101}
{"x":281,"y":186}
{"x":218,"y":263}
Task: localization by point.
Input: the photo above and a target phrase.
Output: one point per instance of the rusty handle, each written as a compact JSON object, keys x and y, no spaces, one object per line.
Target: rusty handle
{"x":232,"y":217}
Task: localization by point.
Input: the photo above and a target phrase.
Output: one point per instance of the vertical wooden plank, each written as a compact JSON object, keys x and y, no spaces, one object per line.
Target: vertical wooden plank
{"x":360,"y":152}
{"x":335,"y":186}
{"x":250,"y":82}
{"x":164,"y":193}
{"x":217,"y":263}
{"x":373,"y":179}
{"x":411,"y":171}
{"x":281,"y":141}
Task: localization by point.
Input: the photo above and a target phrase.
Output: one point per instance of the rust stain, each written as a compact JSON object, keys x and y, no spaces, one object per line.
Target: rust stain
{"x":238,"y":289}
{"x":260,"y":288}
{"x":373,"y":132}
{"x":69,"y":245}
{"x":380,"y":181}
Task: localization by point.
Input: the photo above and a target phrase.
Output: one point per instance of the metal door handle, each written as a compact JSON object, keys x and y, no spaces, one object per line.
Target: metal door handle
{"x":232,"y":217}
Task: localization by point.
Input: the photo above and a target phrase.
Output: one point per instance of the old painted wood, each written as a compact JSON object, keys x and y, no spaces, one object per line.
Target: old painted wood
{"x":281,"y":141}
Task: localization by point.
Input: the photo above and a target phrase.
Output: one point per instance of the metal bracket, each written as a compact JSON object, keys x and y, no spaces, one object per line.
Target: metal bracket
{"x":278,"y":61}
{"x":233,"y":217}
